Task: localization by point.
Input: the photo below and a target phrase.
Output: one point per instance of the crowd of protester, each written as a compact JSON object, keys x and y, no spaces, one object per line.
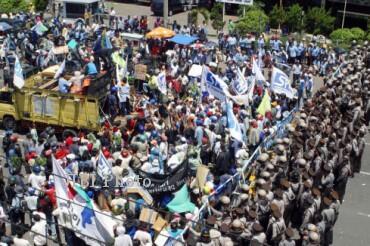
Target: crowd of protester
{"x":292,"y":191}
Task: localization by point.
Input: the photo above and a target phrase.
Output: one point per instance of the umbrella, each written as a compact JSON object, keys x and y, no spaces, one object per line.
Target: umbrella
{"x":5,"y":26}
{"x":160,"y":32}
{"x":339,"y":50}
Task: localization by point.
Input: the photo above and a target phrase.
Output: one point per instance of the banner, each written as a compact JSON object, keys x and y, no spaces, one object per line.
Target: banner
{"x":157,"y":184}
{"x":241,"y":2}
{"x":280,"y":83}
{"x":79,"y":212}
{"x":162,"y":83}
{"x":240,"y":84}
{"x":18,"y":79}
{"x":214,"y":85}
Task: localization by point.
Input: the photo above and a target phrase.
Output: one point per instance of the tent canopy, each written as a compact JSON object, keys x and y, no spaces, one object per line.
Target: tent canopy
{"x":183,"y":39}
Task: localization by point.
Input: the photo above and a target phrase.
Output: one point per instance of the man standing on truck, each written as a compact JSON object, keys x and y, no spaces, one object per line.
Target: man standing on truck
{"x":124,"y":97}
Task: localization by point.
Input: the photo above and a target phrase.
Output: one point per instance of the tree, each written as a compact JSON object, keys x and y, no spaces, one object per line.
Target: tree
{"x":254,"y":21}
{"x":216,"y":17}
{"x":342,"y":36}
{"x":294,"y":18}
{"x":319,"y":21}
{"x":194,"y":15}
{"x":277,"y":16}
{"x":40,"y":5}
{"x":13,"y":6}
{"x":358,"y":33}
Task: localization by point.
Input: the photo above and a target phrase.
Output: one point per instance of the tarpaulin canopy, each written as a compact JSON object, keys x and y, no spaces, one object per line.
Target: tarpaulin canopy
{"x":183,"y":39}
{"x":181,"y":202}
{"x":160,"y":32}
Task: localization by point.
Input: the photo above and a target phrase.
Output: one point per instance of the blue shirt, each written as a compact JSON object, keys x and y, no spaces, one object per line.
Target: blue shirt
{"x":91,"y":69}
{"x":63,"y":85}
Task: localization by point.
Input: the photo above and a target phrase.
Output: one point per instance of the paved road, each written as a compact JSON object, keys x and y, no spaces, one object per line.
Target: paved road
{"x":353,"y":225}
{"x":125,"y":9}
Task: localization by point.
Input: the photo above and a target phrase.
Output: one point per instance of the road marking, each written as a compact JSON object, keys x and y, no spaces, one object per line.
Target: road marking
{"x":363,"y":214}
{"x":365,"y":173}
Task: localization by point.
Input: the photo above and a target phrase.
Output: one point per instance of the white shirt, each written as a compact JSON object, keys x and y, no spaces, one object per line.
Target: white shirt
{"x":36,"y":181}
{"x":20,"y":242}
{"x":123,"y":240}
{"x":123,"y":92}
{"x":31,"y":202}
{"x":144,"y":238}
{"x":37,"y":230}
{"x":2,"y":215}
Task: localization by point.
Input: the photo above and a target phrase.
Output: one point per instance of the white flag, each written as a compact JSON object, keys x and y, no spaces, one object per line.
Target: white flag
{"x":78,"y":212}
{"x":233,"y":124}
{"x":251,"y":88}
{"x":240,"y":84}
{"x":104,"y":168}
{"x":257,"y":72}
{"x":18,"y":79}
{"x":60,"y":69}
{"x":214,"y":85}
{"x":162,"y":83}
{"x":280,"y":83}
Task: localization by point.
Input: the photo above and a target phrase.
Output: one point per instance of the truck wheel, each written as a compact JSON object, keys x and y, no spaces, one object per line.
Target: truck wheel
{"x":9,"y":123}
{"x":69,"y":133}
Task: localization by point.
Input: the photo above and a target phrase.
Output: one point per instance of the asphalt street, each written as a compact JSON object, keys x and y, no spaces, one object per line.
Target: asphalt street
{"x":353,"y":225}
{"x":127,"y":9}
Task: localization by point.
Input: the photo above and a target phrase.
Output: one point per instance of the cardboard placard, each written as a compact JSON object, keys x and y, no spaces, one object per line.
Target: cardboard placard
{"x":140,"y":71}
{"x":58,"y":50}
{"x":159,"y":224}
{"x":148,"y":215}
{"x":162,"y":238}
{"x":202,"y":173}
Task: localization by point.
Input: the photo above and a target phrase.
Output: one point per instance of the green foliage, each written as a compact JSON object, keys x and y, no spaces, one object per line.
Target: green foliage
{"x":13,"y":6}
{"x":358,"y":33}
{"x":294,"y":18}
{"x":319,"y":21}
{"x":368,"y":36}
{"x":41,"y":161}
{"x":205,"y":13}
{"x":341,"y":36}
{"x":16,"y":162}
{"x":277,"y":16}
{"x":254,"y":21}
{"x":40,"y":5}
{"x":194,"y":17}
{"x":216,"y":17}
{"x":194,"y":14}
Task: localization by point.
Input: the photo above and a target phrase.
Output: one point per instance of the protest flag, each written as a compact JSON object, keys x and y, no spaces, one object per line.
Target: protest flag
{"x":18,"y":79}
{"x":280,"y":83}
{"x":265,"y":105}
{"x":79,"y":211}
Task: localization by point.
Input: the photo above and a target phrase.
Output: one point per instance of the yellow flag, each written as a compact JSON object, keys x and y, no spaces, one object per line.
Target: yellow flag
{"x":265,"y":105}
